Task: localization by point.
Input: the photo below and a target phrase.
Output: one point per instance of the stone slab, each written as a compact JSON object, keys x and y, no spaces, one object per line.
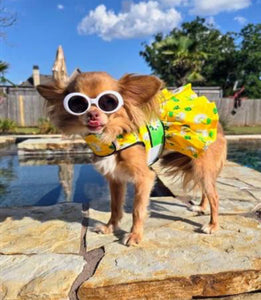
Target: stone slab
{"x":38,"y":230}
{"x":61,"y":145}
{"x":239,"y":188}
{"x":39,"y":248}
{"x":240,"y":137}
{"x":52,"y":145}
{"x":6,"y":140}
{"x":175,"y":260}
{"x":50,"y":229}
{"x":39,"y":252}
{"x":248,"y":296}
{"x":42,"y":276}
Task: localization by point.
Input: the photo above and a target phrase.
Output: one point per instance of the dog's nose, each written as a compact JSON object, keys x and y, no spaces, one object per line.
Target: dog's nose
{"x":93,"y":115}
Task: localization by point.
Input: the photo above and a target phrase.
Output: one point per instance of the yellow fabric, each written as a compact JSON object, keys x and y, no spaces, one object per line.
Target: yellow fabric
{"x":97,"y":147}
{"x":190,"y":121}
{"x":122,"y":141}
{"x":190,"y":124}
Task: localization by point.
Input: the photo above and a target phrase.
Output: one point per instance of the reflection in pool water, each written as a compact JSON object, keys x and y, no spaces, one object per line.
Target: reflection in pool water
{"x":48,"y":184}
{"x":47,"y":181}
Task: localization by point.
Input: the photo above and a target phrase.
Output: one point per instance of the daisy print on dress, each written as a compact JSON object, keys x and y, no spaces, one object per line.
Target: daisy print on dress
{"x":200,"y":118}
{"x":203,"y":132}
{"x":154,"y":125}
{"x":190,"y":122}
{"x":180,"y":116}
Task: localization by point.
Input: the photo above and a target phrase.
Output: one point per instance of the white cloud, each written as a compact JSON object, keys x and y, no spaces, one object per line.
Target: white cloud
{"x":60,"y":6}
{"x":136,"y":20}
{"x":241,"y":20}
{"x":210,"y":7}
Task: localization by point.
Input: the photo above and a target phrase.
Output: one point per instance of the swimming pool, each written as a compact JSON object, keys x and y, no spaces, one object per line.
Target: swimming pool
{"x":46,"y":181}
{"x":37,"y":181}
{"x":246,"y":153}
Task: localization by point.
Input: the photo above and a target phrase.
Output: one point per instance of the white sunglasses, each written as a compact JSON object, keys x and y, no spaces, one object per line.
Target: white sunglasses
{"x":78,"y":104}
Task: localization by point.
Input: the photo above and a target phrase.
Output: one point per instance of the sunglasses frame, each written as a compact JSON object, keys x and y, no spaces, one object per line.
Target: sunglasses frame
{"x":92,"y":101}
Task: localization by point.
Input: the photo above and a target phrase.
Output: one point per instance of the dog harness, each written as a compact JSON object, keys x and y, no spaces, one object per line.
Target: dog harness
{"x":187,"y":124}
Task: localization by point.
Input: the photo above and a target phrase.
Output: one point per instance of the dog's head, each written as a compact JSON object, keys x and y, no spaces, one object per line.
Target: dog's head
{"x":119,"y":106}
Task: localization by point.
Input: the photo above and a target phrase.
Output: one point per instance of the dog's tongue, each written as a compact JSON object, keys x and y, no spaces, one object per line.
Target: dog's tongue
{"x":93,"y":123}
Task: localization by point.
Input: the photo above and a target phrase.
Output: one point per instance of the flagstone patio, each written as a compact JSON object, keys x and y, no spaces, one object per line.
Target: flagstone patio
{"x":40,"y":257}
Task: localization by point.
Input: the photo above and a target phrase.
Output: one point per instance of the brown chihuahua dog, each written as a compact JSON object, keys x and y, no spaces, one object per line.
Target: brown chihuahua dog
{"x":95,"y":103}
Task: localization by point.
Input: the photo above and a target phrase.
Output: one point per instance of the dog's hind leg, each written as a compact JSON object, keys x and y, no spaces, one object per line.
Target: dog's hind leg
{"x":117,"y":190}
{"x":202,"y":206}
{"x":212,"y":196}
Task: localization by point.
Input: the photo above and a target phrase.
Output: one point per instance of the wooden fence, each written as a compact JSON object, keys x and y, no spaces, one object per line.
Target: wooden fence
{"x":248,"y":114}
{"x":25,"y":106}
{"x":211,"y":92}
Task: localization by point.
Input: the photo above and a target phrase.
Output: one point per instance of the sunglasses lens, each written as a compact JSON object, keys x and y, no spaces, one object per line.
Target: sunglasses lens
{"x":78,"y":104}
{"x":108,"y":102}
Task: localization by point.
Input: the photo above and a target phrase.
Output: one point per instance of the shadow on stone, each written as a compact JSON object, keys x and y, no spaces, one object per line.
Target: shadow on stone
{"x":173,"y":218}
{"x":71,"y":212}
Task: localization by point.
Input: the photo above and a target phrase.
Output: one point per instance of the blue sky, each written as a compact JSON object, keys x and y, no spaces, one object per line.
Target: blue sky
{"x":105,"y":35}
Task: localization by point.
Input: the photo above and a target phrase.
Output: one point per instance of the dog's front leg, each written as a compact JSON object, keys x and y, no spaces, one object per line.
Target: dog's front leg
{"x":117,"y":190}
{"x":143,"y":185}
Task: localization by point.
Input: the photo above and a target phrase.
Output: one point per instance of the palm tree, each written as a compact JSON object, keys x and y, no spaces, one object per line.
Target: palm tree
{"x":184,"y":58}
{"x":3,"y":68}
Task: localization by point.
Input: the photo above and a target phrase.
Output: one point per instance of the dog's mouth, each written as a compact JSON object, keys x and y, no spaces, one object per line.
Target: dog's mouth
{"x":95,"y":126}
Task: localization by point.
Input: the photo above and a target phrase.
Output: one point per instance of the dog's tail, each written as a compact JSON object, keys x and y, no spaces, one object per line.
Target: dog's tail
{"x":176,"y":164}
{"x":201,"y":171}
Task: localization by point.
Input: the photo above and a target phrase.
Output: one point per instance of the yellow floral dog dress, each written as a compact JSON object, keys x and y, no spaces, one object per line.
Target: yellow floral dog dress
{"x":187,"y":124}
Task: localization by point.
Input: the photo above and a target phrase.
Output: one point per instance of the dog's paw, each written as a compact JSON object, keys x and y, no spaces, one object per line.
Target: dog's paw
{"x":209,"y":228}
{"x":132,"y":239}
{"x":104,"y":229}
{"x":108,"y":136}
{"x":196,"y":208}
{"x":107,"y":139}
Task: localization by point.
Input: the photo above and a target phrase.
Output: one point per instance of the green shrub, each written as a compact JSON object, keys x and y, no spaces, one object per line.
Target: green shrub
{"x":7,"y":125}
{"x":45,"y":126}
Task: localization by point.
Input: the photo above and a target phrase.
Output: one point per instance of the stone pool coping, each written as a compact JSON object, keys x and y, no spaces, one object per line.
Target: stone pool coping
{"x":40,"y":259}
{"x":243,"y":137}
{"x":5,"y":140}
{"x":57,"y":144}
{"x":25,"y":136}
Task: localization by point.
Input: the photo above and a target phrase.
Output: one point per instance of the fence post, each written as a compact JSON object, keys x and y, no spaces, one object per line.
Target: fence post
{"x":21,"y":109}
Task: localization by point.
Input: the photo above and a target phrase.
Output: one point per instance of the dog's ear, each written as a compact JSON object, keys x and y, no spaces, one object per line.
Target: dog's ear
{"x":139,"y":88}
{"x":52,"y":91}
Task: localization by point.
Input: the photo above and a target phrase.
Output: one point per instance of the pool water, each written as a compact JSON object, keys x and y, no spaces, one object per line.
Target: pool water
{"x":37,"y":181}
{"x":246,"y":153}
{"x":22,"y":184}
